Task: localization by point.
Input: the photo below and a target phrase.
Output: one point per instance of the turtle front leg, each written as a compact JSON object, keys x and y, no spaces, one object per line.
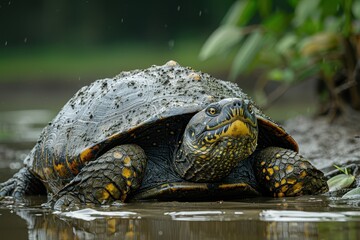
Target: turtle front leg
{"x":282,"y":172}
{"x":22,"y":183}
{"x":112,"y":176}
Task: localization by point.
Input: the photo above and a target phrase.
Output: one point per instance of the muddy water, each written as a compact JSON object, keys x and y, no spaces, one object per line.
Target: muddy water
{"x":308,"y":217}
{"x":293,"y":218}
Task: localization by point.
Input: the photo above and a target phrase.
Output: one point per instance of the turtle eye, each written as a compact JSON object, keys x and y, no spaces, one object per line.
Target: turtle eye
{"x":250,"y":108}
{"x":212,"y":111}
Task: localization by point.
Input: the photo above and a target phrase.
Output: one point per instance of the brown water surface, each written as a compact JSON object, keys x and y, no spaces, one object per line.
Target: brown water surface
{"x":308,"y":217}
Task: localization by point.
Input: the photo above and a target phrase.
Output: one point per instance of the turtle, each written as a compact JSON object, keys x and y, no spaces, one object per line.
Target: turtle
{"x":167,"y":133}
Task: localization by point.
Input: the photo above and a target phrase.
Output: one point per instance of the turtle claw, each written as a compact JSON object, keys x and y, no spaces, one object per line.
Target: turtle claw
{"x":14,"y":187}
{"x":62,"y":202}
{"x":7,"y":188}
{"x":67,"y":202}
{"x":22,"y":183}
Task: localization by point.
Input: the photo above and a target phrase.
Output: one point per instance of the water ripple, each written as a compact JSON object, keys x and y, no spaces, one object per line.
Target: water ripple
{"x":301,"y":216}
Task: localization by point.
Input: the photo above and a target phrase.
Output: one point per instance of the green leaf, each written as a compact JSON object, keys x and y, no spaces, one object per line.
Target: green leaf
{"x":264,"y":7}
{"x":275,"y":74}
{"x":285,"y":43}
{"x":340,"y":181}
{"x":343,"y":170}
{"x":293,"y":3}
{"x":220,"y":40}
{"x":246,"y":53}
{"x":282,"y":75}
{"x":356,"y":9}
{"x":330,"y":8}
{"x":277,"y":22}
{"x":333,"y":24}
{"x":305,"y":10}
{"x":352,"y":194}
{"x":240,"y":13}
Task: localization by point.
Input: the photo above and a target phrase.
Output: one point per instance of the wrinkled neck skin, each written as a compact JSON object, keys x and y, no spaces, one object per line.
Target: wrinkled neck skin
{"x":211,"y":162}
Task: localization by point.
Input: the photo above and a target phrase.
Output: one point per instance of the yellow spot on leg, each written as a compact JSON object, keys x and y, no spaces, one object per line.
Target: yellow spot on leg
{"x":110,"y":187}
{"x":303,"y":174}
{"x":270,"y":171}
{"x":280,"y":195}
{"x":126,"y":172}
{"x":113,"y":190}
{"x":102,"y":196}
{"x":284,"y":188}
{"x":128,"y":182}
{"x":291,"y":181}
{"x":297,"y":187}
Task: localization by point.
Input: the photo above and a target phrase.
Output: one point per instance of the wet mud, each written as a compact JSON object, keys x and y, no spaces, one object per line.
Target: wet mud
{"x":328,"y":143}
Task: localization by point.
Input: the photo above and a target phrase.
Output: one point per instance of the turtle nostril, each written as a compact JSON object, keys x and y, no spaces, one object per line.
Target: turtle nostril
{"x":237,"y":103}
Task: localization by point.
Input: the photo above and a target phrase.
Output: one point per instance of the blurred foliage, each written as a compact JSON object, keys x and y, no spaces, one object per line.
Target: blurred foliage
{"x":89,"y":22}
{"x":292,"y":41}
{"x":63,"y":40}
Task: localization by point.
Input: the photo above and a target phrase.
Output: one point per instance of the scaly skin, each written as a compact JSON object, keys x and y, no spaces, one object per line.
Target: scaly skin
{"x":283,"y":173}
{"x":112,"y":176}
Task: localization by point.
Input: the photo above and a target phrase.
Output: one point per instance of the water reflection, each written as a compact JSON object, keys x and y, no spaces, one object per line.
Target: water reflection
{"x":249,"y":219}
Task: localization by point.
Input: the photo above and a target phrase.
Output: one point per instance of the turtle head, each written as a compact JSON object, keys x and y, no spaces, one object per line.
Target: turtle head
{"x":216,"y":139}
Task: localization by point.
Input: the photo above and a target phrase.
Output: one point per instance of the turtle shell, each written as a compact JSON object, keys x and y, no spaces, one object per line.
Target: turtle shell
{"x":110,"y":109}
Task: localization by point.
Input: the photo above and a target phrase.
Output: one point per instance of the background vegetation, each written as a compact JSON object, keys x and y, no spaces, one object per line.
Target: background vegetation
{"x":87,"y":39}
{"x":293,"y":41}
{"x":51,"y":46}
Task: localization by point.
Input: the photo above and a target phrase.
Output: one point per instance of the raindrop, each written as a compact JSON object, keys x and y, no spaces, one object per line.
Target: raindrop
{"x":178,"y":8}
{"x":5,"y":43}
{"x":25,"y":40}
{"x":165,"y":25}
{"x":9,"y":2}
{"x":200,"y":13}
{"x":122,"y":20}
{"x":171,"y":44}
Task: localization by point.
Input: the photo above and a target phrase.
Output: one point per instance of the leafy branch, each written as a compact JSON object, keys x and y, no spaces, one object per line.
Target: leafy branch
{"x":293,"y":41}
